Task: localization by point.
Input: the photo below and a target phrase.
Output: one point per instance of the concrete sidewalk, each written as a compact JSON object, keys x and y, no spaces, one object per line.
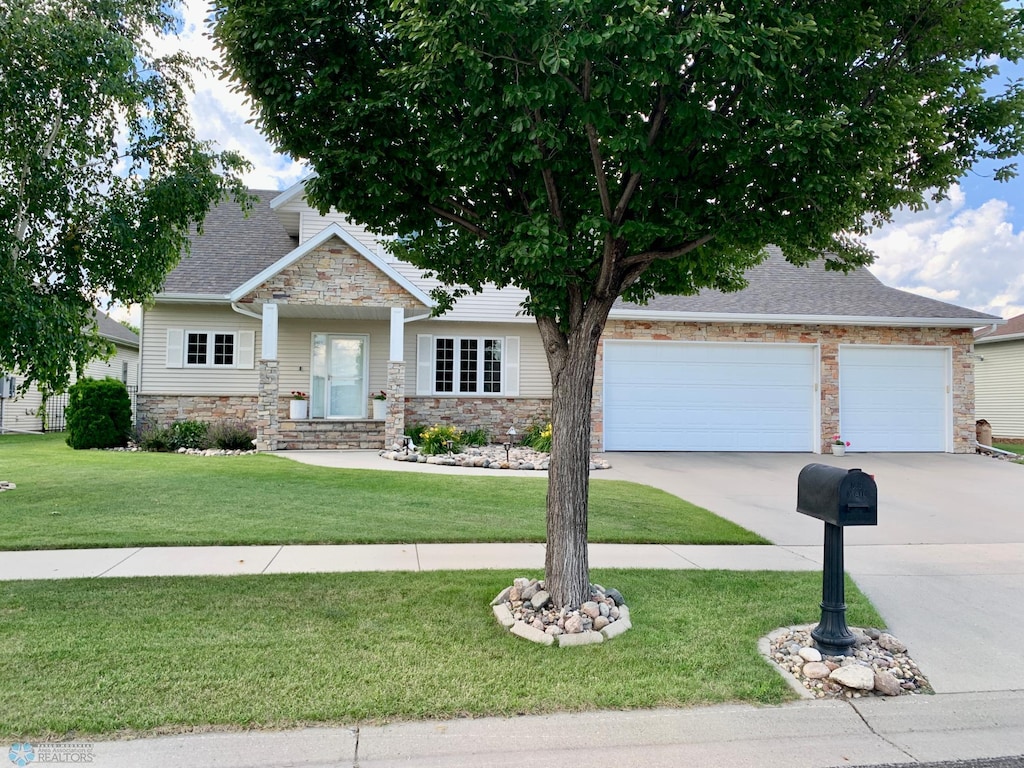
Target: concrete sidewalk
{"x":816,"y":734}
{"x":230,"y":561}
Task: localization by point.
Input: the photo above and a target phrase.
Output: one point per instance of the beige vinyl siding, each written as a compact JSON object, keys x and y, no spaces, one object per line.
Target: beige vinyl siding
{"x":20,"y":413}
{"x":312,"y":224}
{"x":999,"y":387}
{"x":157,"y":378}
{"x":100,"y":369}
{"x":534,"y":379}
{"x":295,"y":343}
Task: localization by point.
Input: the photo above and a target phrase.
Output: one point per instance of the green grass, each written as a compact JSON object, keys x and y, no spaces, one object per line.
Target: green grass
{"x":91,"y":657}
{"x":68,"y":498}
{"x":1017,"y":448}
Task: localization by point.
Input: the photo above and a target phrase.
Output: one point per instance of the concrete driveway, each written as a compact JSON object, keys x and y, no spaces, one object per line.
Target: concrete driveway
{"x":944,"y":566}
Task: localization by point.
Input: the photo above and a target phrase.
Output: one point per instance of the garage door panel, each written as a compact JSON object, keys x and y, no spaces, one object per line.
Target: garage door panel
{"x":709,"y":397}
{"x":894,"y":399}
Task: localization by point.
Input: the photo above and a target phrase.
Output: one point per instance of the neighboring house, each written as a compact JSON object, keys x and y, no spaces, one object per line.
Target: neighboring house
{"x":24,"y":414}
{"x":286,"y":299}
{"x":999,"y":378}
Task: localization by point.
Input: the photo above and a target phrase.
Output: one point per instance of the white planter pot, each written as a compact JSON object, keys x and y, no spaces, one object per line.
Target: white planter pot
{"x":838,"y":450}
{"x":297,"y":409}
{"x":380,"y":410}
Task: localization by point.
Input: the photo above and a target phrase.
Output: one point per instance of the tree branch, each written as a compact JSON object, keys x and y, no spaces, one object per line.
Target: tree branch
{"x":649,"y":256}
{"x":460,"y":221}
{"x":656,"y":121}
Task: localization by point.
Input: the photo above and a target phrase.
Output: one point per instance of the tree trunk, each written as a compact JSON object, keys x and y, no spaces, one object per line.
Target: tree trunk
{"x":571,"y":358}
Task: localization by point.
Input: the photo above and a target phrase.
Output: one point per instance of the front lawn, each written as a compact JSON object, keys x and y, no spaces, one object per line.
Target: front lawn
{"x":89,"y":657}
{"x":71,"y":499}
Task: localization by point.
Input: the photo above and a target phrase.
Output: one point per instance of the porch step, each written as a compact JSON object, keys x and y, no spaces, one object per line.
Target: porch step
{"x":322,"y":434}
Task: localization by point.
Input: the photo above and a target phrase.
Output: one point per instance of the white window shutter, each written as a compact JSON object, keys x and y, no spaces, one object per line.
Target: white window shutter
{"x":175,"y":347}
{"x":511,"y":355}
{"x":424,"y":363}
{"x":246,"y":349}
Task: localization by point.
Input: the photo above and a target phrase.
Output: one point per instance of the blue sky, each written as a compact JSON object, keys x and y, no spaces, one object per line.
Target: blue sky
{"x":968,"y":250}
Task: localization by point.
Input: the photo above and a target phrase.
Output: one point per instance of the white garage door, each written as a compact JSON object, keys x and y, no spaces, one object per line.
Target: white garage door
{"x":674,"y":396}
{"x":894,"y":398}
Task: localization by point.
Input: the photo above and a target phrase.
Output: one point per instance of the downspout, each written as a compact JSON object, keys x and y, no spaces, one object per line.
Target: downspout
{"x":246,"y":312}
{"x":417,"y":317}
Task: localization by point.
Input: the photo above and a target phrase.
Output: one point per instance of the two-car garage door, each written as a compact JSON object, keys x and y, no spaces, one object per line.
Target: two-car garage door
{"x":676,"y":396}
{"x":691,"y":396}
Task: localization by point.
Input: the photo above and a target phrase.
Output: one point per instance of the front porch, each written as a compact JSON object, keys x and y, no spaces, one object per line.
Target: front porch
{"x":330,"y":435}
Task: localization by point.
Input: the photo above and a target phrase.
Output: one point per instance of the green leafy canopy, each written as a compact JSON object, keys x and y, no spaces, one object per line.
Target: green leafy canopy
{"x":579,"y":149}
{"x":101,"y":175}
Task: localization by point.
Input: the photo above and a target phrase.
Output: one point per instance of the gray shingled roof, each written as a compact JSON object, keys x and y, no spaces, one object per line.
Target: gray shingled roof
{"x":113,"y":330}
{"x":232,"y":248}
{"x":235,"y":248}
{"x":776,"y":287}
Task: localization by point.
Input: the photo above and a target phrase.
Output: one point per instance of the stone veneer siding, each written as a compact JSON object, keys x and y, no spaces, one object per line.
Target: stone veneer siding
{"x":829,"y":338}
{"x":334,"y":275}
{"x":162,"y":410}
{"x":495,"y":414}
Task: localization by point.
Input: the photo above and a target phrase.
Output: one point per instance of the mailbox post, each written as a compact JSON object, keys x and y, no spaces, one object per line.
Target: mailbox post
{"x":839,"y":497}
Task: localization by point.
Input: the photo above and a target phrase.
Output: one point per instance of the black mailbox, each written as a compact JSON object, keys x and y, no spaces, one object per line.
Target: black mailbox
{"x":837,"y":496}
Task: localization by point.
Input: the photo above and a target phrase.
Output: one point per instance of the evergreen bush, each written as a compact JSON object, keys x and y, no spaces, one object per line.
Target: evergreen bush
{"x":99,"y":414}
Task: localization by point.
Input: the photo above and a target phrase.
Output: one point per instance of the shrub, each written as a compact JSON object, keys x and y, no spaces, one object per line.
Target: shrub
{"x":189,"y":434}
{"x":99,"y":414}
{"x":153,"y":438}
{"x":538,"y":437}
{"x":414,"y":431}
{"x":476,"y":437}
{"x":433,"y":439}
{"x":231,"y":436}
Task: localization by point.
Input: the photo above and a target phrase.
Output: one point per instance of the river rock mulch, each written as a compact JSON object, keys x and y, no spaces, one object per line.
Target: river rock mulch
{"x":485,"y":457}
{"x":525,"y":610}
{"x":879,"y":665}
{"x":133,"y":448}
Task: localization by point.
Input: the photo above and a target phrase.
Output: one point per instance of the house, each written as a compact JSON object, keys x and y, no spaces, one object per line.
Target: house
{"x":25,"y":413}
{"x":290,"y":300}
{"x":999,"y":378}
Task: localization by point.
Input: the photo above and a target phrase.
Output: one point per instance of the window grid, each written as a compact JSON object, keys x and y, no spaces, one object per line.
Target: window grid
{"x":196,"y":350}
{"x":444,"y":368}
{"x":467,"y":365}
{"x":205,"y":349}
{"x":492,"y":365}
{"x":223,"y":349}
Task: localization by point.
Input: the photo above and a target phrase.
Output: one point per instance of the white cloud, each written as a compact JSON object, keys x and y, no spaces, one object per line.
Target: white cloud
{"x":967,"y":256}
{"x":220,"y":114}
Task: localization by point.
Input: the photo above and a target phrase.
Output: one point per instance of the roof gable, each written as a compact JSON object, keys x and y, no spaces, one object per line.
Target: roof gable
{"x":308,"y":247}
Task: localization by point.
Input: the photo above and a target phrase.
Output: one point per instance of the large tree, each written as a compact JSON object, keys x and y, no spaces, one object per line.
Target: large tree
{"x":590,"y":150}
{"x":101,"y":175}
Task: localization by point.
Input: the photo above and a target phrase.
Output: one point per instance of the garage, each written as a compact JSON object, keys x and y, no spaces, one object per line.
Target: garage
{"x":895,"y":398}
{"x":703,"y":396}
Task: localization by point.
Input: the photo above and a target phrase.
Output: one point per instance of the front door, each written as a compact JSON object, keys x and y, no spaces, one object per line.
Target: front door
{"x":339,"y":362}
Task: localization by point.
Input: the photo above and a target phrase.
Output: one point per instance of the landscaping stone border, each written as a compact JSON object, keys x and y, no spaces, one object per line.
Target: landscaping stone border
{"x":485,"y":457}
{"x":524,"y":609}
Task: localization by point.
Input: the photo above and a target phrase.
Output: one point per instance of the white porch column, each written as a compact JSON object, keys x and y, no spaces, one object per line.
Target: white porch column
{"x":394,"y":427}
{"x":397,"y":335}
{"x":269,"y":332}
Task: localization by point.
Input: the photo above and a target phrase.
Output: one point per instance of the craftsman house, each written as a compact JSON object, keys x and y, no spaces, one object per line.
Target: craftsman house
{"x":287,"y":300}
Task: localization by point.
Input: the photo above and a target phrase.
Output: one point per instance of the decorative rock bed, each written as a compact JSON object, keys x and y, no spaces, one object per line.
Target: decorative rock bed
{"x":879,"y":665}
{"x":133,"y":448}
{"x":484,"y":457}
{"x":525,"y":610}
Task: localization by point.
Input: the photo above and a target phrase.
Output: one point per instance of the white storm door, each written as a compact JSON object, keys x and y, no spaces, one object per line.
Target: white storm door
{"x":346,"y":377}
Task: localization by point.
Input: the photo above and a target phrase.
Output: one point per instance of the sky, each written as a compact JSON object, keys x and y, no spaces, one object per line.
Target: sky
{"x":967,"y":250}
